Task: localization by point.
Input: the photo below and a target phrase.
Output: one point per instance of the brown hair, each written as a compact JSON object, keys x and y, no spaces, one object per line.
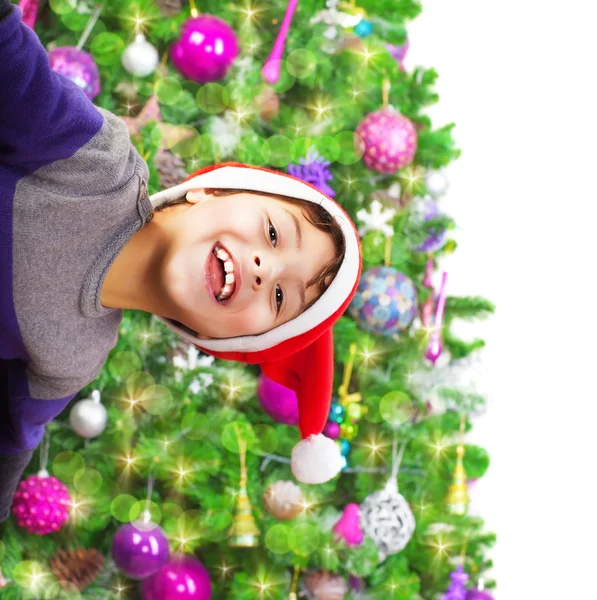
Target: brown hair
{"x":315,"y":214}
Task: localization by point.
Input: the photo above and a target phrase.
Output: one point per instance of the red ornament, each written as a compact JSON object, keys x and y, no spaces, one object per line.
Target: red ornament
{"x":41,"y":504}
{"x":387,"y":139}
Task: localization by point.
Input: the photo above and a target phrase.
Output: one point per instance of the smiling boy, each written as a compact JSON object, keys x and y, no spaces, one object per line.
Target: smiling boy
{"x":246,"y":263}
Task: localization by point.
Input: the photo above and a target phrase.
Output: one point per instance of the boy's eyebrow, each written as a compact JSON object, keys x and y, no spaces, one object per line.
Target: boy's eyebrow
{"x":297,"y":227}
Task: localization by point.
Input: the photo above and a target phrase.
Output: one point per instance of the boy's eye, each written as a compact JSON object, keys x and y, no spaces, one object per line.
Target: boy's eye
{"x":279,"y":297}
{"x":273,"y":234}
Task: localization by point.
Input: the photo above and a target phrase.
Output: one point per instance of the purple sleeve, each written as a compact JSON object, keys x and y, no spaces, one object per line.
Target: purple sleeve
{"x":22,"y":418}
{"x":44,"y":116}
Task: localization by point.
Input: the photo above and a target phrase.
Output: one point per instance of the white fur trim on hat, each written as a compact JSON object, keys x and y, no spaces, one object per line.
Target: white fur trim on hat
{"x":316,"y":459}
{"x":232,"y":177}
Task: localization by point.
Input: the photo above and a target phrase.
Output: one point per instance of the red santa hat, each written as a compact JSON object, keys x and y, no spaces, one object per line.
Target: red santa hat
{"x":300,"y":353}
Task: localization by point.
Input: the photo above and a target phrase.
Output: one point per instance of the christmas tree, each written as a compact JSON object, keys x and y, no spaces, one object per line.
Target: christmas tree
{"x":191,"y":454}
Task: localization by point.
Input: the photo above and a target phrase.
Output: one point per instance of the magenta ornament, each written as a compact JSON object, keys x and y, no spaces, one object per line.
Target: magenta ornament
{"x":140,"y":549}
{"x":41,"y":504}
{"x":183,"y":578}
{"x":78,"y":66}
{"x":348,"y":526}
{"x":279,"y":402}
{"x":387,"y":140}
{"x":29,"y":8}
{"x":332,"y":430}
{"x":456,"y":590}
{"x":399,"y":53}
{"x":435,"y":348}
{"x":271,"y":68}
{"x":478,"y":595}
{"x":206,"y":49}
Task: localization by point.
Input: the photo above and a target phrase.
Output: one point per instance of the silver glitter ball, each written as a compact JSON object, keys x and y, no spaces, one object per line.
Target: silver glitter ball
{"x":89,"y":417}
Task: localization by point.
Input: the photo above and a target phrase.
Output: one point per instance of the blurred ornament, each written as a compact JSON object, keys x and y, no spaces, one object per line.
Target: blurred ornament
{"x":206,"y":49}
{"x":226,"y":132}
{"x":78,"y":66}
{"x":344,"y":446}
{"x":355,"y":411}
{"x":271,"y":68}
{"x":78,"y":567}
{"x":243,"y":533}
{"x":387,"y":140}
{"x":457,"y":499}
{"x":357,"y":584}
{"x":456,"y":590}
{"x":169,"y":8}
{"x":423,"y":210}
{"x":140,"y":58}
{"x":284,"y":500}
{"x":183,"y":578}
{"x":343,"y":462}
{"x":478,"y":594}
{"x":193,"y":360}
{"x":88,"y":417}
{"x":268,"y":104}
{"x":127,"y":91}
{"x":279,"y":402}
{"x":170,"y":168}
{"x":332,"y":430}
{"x":376,"y":218}
{"x":3,"y":582}
{"x":41,"y":504}
{"x":323,"y":585}
{"x":29,"y":8}
{"x":337,"y":413}
{"x":352,"y":43}
{"x":364,"y":28}
{"x":385,"y":301}
{"x":435,"y":347}
{"x":171,"y":134}
{"x":315,"y":170}
{"x":349,"y":430}
{"x":140,"y":549}
{"x":436,"y":183}
{"x":399,"y":53}
{"x":348,"y":526}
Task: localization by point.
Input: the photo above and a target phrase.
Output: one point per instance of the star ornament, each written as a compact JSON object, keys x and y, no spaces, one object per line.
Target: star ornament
{"x":171,"y":134}
{"x":376,"y":218}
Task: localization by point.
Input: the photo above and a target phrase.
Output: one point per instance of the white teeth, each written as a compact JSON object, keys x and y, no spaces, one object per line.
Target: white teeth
{"x":222,"y":254}
{"x":230,"y":278}
{"x":228,"y":266}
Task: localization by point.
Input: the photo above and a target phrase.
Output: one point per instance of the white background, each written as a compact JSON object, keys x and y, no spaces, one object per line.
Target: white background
{"x":518,"y":79}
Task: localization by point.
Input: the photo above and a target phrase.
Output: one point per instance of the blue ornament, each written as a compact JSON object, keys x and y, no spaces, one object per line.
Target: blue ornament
{"x":344,"y":462}
{"x":385,"y":302}
{"x":364,"y":28}
{"x":344,"y":446}
{"x":337,"y":413}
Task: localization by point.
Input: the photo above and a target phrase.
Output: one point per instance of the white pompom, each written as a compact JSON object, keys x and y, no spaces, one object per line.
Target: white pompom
{"x":316,"y":459}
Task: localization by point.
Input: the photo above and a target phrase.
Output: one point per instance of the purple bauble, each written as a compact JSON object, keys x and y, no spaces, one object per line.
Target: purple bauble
{"x":387,"y":140}
{"x":78,"y":66}
{"x":478,"y":595}
{"x":428,"y":210}
{"x":277,"y":401}
{"x":205,"y":50}
{"x":140,"y":549}
{"x":332,"y":430}
{"x":182,"y":578}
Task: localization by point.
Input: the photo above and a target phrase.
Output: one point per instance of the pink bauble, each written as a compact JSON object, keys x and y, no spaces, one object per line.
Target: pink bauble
{"x":41,"y":504}
{"x":332,"y":430}
{"x":78,"y":66}
{"x":348,"y":526}
{"x":280,"y":403}
{"x":387,"y":139}
{"x":205,"y":50}
{"x":183,"y":578}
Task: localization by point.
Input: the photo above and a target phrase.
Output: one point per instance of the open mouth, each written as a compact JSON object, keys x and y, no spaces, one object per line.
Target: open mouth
{"x":222,"y":273}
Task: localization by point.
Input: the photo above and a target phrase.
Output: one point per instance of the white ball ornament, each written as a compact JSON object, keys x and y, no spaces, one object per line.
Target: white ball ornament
{"x":316,"y":459}
{"x":436,"y":183}
{"x":140,"y":58}
{"x":89,"y":417}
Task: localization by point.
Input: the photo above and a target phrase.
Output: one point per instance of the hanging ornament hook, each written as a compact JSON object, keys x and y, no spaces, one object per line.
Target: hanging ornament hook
{"x":90,"y":26}
{"x":194,"y":11}
{"x":386,"y":87}
{"x":343,"y":396}
{"x":44,"y":452}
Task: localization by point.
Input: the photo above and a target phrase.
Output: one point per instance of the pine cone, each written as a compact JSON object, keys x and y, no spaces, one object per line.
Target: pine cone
{"x":78,"y":567}
{"x":169,"y":8}
{"x":171,"y":169}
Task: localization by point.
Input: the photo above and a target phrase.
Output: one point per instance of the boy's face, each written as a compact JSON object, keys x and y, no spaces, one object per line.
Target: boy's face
{"x":270,"y":266}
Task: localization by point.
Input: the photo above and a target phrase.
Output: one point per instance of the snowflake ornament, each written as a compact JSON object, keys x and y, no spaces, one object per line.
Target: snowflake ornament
{"x":376,"y":219}
{"x":203,"y":381}
{"x":193,"y":360}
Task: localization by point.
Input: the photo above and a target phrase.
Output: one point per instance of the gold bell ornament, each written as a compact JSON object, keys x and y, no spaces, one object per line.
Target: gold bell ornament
{"x":457,"y":499}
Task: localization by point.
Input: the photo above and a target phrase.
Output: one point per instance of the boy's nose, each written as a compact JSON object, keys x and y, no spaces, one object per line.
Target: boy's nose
{"x":265,"y":269}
